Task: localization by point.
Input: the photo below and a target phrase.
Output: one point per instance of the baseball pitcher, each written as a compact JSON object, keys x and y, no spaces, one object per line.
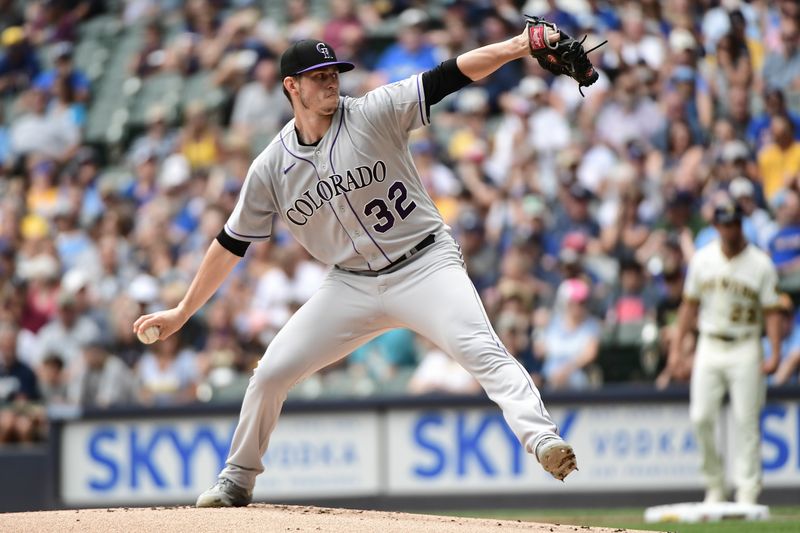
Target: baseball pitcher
{"x":733,"y":287}
{"x":341,"y":177}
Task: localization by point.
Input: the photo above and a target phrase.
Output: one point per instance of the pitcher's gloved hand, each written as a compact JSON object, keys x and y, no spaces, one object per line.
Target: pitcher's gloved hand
{"x":565,"y":56}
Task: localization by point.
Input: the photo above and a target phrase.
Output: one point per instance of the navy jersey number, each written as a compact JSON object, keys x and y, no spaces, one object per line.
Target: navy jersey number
{"x":399,"y":194}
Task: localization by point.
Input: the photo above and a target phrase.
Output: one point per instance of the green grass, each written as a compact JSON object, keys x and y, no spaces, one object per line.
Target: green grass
{"x":782,"y":519}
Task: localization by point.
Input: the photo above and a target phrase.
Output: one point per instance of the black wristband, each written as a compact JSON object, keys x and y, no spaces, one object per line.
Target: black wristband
{"x":234,"y":246}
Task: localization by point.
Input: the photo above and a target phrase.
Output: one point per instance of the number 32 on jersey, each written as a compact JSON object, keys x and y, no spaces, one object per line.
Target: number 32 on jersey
{"x":398,"y":196}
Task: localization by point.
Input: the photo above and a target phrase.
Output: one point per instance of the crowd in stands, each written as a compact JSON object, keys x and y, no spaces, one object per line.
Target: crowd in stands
{"x":576,"y":216}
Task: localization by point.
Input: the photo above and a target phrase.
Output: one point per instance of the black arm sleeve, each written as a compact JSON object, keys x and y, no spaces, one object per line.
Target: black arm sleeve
{"x":234,"y":246}
{"x":442,"y":80}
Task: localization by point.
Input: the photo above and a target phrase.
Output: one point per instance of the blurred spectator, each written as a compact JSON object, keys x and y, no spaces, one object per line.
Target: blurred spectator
{"x":101,"y":379}
{"x":516,"y":277}
{"x":439,"y":180}
{"x":260,"y":107}
{"x":602,"y":17}
{"x":19,"y":65}
{"x":629,"y":231}
{"x":480,"y":257}
{"x":141,"y":189}
{"x":628,"y":115}
{"x":40,"y":275}
{"x":344,"y":30}
{"x":733,"y":67}
{"x":683,"y":157}
{"x":759,"y":130}
{"x":547,"y":128}
{"x":790,"y":345}
{"x":669,"y":301}
{"x":199,"y":140}
{"x":779,"y":161}
{"x":570,"y":342}
{"x":168,"y":373}
{"x":67,"y":334}
{"x":22,"y":423}
{"x":737,"y":111}
{"x":637,"y":45}
{"x":497,"y":25}
{"x":151,"y":56}
{"x":64,"y":105}
{"x":157,"y":141}
{"x":63,"y":68}
{"x":53,"y":381}
{"x":411,"y":54}
{"x":18,"y":382}
{"x":6,"y":154}
{"x":680,"y":218}
{"x":439,"y":373}
{"x":84,"y":170}
{"x":784,"y":246}
{"x":235,"y":51}
{"x":55,"y":21}
{"x":633,"y":300}
{"x":124,"y":343}
{"x":563,"y":19}
{"x":38,"y":131}
{"x":384,"y":357}
{"x":78,"y":283}
{"x":577,"y":218}
{"x":284,"y":285}
{"x":782,"y":67}
{"x":75,"y":247}
{"x":756,"y":218}
{"x":514,"y":328}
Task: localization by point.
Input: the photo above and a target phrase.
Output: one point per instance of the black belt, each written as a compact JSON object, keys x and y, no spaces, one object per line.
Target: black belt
{"x":424,"y":243}
{"x":728,"y":338}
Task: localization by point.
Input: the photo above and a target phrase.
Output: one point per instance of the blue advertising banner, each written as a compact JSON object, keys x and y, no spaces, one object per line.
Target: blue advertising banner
{"x":172,"y":460}
{"x":405,"y":452}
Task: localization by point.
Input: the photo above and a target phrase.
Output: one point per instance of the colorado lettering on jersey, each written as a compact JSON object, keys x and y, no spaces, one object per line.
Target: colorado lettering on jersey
{"x":328,"y":188}
{"x":730,"y":286}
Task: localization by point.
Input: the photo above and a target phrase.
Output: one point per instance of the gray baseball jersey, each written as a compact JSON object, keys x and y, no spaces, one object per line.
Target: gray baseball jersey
{"x":354,"y":200}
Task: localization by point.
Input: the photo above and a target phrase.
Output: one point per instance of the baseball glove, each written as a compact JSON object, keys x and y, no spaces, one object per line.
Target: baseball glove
{"x":566,"y":56}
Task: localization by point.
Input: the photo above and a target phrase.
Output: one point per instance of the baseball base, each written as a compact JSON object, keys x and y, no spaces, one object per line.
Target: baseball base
{"x":705,"y":512}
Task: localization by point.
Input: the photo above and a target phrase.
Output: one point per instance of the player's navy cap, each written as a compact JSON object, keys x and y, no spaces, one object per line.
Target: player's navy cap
{"x":727,"y":211}
{"x":310,"y":54}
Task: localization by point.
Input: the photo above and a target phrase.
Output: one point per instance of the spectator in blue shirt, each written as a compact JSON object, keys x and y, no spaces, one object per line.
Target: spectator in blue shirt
{"x":571,"y":341}
{"x":758,"y":132}
{"x":64,"y":68}
{"x":411,"y":54}
{"x":383,"y":356}
{"x":563,"y":19}
{"x":784,"y":247}
{"x":19,"y":65}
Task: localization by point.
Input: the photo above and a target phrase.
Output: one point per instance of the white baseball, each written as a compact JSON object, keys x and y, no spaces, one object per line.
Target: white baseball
{"x":149,"y":335}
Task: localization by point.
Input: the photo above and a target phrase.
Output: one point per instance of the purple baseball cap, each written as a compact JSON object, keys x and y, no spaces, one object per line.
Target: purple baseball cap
{"x":310,"y":54}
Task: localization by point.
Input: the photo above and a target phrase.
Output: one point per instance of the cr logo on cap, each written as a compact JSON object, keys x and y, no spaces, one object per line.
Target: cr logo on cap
{"x":322,"y":49}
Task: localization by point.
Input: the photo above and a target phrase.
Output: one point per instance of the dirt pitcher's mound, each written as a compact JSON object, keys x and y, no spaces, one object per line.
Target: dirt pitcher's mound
{"x":269,"y":518}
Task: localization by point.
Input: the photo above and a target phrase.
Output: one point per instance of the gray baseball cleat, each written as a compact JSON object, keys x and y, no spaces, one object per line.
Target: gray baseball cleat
{"x":225,"y":493}
{"x":557,"y":457}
